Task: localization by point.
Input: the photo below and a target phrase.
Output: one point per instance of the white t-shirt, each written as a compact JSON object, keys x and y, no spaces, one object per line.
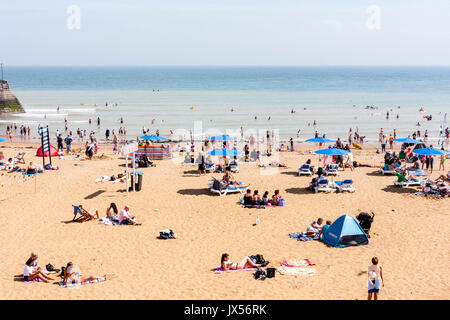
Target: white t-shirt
{"x":374,"y":273}
{"x":123,"y":215}
{"x":27,"y":270}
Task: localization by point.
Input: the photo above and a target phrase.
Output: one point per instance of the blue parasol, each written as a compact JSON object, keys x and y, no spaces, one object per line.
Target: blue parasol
{"x":222,"y":138}
{"x":430,"y":152}
{"x":224,"y":152}
{"x":332,"y":152}
{"x":319,"y":140}
{"x":408,"y":140}
{"x":153,"y":137}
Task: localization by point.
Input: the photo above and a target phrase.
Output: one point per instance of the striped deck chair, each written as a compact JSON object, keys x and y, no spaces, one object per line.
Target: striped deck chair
{"x":83,"y":214}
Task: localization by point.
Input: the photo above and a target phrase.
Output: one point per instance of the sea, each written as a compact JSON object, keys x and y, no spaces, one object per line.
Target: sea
{"x":294,"y":102}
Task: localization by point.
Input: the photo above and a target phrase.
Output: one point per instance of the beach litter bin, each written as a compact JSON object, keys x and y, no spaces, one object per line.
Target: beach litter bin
{"x":138,"y":182}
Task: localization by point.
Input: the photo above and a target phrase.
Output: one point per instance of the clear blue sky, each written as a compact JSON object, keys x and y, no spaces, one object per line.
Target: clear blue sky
{"x":225,"y":32}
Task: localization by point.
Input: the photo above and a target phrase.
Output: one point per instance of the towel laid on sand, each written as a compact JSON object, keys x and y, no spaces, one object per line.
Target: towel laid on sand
{"x":220,"y":270}
{"x":69,"y":285}
{"x":295,"y":271}
{"x":31,"y":281}
{"x":301,"y":236}
{"x":297,"y":263}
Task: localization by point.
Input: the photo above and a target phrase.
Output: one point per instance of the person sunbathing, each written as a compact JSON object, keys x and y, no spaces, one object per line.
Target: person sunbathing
{"x":276,"y":198}
{"x":314,"y":228}
{"x":125,"y":217}
{"x":9,"y":165}
{"x":248,"y":199}
{"x":30,"y":272}
{"x":89,"y":214}
{"x":112,"y":211}
{"x":444,"y":178}
{"x":228,"y":179}
{"x":256,"y":198}
{"x":227,"y":264}
{"x":72,"y":275}
{"x":19,"y":158}
{"x":31,"y":168}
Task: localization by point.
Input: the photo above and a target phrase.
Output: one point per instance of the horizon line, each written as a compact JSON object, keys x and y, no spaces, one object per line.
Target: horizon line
{"x":234,"y":66}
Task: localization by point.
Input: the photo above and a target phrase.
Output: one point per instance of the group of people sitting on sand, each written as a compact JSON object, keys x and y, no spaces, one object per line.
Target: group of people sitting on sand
{"x":256,"y":200}
{"x":112,"y":214}
{"x":316,"y":228}
{"x":70,"y":274}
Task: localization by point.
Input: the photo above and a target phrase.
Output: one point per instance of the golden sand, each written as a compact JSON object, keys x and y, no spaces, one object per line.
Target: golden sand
{"x":409,"y":234}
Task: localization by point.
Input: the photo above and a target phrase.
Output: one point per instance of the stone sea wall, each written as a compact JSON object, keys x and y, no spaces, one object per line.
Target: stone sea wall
{"x":8,"y":101}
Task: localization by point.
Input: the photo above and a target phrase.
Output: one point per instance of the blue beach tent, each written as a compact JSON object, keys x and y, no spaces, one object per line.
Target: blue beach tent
{"x":344,"y":232}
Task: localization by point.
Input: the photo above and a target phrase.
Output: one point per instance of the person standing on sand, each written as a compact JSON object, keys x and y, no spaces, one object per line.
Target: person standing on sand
{"x":383,"y":143}
{"x":375,"y":277}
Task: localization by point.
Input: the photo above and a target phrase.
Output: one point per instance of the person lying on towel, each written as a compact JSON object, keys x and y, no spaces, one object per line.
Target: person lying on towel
{"x":227,"y":264}
{"x":72,"y":275}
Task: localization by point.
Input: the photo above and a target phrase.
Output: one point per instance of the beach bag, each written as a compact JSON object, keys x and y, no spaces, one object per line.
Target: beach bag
{"x":217,"y":185}
{"x":260,"y":274}
{"x":166,"y":234}
{"x":270,"y":272}
{"x":257,"y":258}
{"x":282,"y":202}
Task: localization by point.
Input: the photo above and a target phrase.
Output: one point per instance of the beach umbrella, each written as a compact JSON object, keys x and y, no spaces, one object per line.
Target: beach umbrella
{"x":153,"y":138}
{"x":430,"y":152}
{"x":222,"y":138}
{"x":2,"y":140}
{"x":332,"y":152}
{"x":319,"y":140}
{"x":408,"y":140}
{"x":224,"y":152}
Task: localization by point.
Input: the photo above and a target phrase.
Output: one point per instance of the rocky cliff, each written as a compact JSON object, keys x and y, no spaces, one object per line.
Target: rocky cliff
{"x":8,"y":101}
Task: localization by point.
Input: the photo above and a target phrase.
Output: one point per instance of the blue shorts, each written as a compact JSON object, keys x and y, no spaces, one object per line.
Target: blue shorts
{"x":374,"y":287}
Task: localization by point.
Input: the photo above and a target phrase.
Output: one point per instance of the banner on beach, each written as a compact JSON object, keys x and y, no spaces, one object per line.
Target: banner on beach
{"x":45,"y":144}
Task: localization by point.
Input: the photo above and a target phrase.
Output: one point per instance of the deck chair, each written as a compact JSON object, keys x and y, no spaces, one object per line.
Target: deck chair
{"x":331,"y":169}
{"x":323,"y":185}
{"x":210,"y":166}
{"x":346,"y":185}
{"x":234,"y":166}
{"x":404,"y":182}
{"x":83,"y":214}
{"x":385,"y":170}
{"x":219,"y":187}
{"x":305,"y":170}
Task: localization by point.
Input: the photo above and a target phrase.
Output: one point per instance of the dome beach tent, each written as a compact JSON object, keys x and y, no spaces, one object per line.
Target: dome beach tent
{"x":344,"y":232}
{"x":53,"y":152}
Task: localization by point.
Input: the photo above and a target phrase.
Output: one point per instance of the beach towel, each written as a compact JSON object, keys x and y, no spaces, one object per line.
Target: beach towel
{"x":301,"y":236}
{"x":70,"y":285}
{"x":219,"y":270}
{"x":31,"y":281}
{"x":294,"y":271}
{"x":297,"y":263}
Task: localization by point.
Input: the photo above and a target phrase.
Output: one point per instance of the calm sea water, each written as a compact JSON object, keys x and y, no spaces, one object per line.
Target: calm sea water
{"x":335,"y":97}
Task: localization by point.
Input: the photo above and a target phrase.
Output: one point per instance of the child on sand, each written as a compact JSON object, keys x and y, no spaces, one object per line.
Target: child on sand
{"x":375,"y":276}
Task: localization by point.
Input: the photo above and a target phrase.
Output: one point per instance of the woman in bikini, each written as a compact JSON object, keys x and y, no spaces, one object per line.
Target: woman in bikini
{"x":227,"y":264}
{"x":228,"y":179}
{"x":72,"y":275}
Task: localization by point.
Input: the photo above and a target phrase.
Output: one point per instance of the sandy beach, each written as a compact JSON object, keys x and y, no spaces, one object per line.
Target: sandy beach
{"x":409,"y":234}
